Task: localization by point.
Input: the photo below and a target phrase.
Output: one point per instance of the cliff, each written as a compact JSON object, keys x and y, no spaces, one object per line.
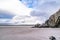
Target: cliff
{"x":53,"y":21}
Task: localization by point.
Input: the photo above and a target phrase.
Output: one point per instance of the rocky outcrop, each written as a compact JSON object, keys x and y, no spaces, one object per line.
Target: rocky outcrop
{"x":53,"y":21}
{"x":36,"y":26}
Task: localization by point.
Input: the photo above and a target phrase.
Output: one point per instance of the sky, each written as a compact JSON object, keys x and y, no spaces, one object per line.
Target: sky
{"x":27,"y":11}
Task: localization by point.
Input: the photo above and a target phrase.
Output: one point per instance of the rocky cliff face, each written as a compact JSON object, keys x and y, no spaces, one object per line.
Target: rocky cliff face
{"x":53,"y":21}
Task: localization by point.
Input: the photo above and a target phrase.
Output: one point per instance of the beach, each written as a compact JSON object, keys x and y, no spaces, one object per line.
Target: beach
{"x":27,"y":33}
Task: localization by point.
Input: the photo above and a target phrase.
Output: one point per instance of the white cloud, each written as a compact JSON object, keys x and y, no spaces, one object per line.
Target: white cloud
{"x":18,"y":9}
{"x":25,"y":20}
{"x":4,"y":20}
{"x":23,"y":13}
{"x":45,"y":8}
{"x":14,"y":6}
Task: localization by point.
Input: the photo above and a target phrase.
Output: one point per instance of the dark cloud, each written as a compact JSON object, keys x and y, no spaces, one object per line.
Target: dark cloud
{"x":51,"y":4}
{"x":37,"y":13}
{"x":48,"y":4}
{"x":5,"y":14}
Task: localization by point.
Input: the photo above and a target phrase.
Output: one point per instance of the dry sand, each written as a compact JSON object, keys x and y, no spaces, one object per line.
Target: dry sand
{"x":21,"y":33}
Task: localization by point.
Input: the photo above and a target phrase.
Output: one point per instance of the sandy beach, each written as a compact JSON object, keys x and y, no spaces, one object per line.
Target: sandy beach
{"x":25,"y":33}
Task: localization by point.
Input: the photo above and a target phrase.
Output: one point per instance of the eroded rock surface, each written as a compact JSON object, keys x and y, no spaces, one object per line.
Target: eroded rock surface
{"x":53,"y":21}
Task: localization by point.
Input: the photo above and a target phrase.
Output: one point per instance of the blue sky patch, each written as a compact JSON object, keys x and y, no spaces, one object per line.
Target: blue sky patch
{"x":29,"y":3}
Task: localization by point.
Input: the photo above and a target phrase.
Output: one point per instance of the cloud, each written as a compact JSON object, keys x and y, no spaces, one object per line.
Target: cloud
{"x":48,"y":5}
{"x":38,"y":13}
{"x":28,"y":3}
{"x":45,"y":8}
{"x":4,"y":20}
{"x":29,"y":11}
{"x":41,"y":16}
{"x":31,"y":3}
{"x":24,"y":20}
{"x":14,"y":6}
{"x":5,"y":15}
{"x":42,"y":10}
{"x":21,"y":12}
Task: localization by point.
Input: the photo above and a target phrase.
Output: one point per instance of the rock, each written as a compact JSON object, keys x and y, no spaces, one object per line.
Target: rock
{"x":36,"y":26}
{"x":52,"y":38}
{"x":52,"y":22}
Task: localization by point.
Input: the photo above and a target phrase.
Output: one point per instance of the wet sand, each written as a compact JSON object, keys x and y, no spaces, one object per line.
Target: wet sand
{"x":26,"y":33}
